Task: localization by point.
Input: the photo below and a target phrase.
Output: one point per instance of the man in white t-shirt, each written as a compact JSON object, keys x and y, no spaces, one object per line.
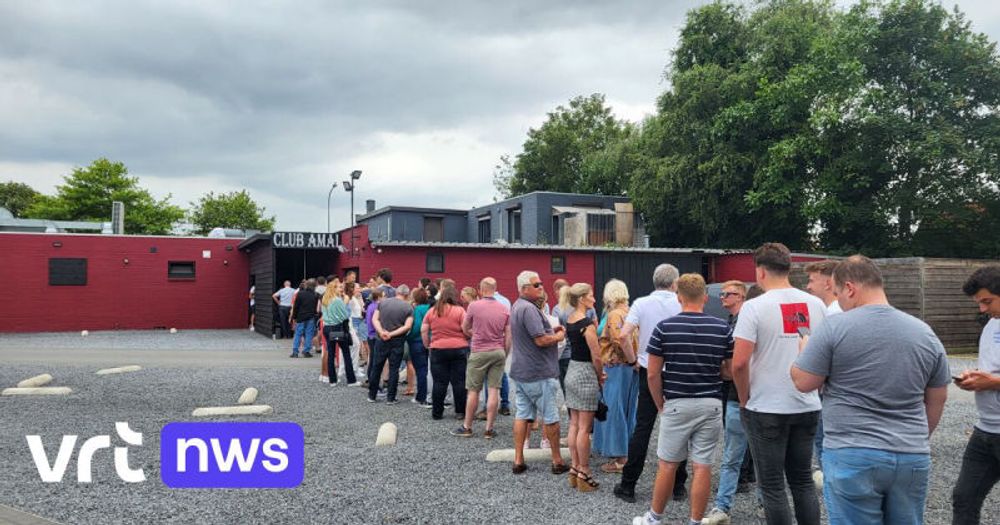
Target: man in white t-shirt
{"x":981,"y":461}
{"x":283,"y":299}
{"x":780,"y":421}
{"x":821,"y":285}
{"x":645,"y":313}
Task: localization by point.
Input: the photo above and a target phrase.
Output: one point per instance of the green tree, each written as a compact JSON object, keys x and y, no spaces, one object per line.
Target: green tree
{"x":553,"y":157}
{"x":88,"y":192}
{"x":228,"y":210}
{"x":16,"y":196}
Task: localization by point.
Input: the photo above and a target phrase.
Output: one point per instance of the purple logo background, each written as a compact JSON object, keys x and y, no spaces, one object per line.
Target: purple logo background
{"x":257,"y":476}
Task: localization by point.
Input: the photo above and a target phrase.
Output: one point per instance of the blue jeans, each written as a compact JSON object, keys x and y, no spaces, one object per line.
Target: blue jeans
{"x":864,"y":485}
{"x":418,"y":356}
{"x":309,"y":327}
{"x":732,"y":458}
{"x":504,"y":393}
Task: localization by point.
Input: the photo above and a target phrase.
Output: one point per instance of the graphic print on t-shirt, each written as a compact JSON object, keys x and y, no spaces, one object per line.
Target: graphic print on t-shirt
{"x":793,"y":316}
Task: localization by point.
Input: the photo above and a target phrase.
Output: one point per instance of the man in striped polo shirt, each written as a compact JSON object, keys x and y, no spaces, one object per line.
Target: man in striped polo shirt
{"x":688,"y":359}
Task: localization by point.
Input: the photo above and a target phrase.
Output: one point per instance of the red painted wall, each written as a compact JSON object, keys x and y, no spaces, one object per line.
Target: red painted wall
{"x":136,"y":295}
{"x":467,"y":266}
{"x":739,"y":266}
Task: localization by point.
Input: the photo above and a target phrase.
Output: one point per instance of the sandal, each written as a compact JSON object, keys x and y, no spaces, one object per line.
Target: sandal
{"x":560,"y":468}
{"x":519,"y":468}
{"x":612,"y":467}
{"x":572,"y":477}
{"x":585,"y":483}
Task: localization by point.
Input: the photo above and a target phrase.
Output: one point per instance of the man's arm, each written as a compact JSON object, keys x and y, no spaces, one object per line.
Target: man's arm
{"x":742,"y":351}
{"x":275,"y":297}
{"x":550,"y":339}
{"x":378,"y":325}
{"x":467,"y":326}
{"x":806,"y":381}
{"x":934,"y":399}
{"x":507,"y":339}
{"x":977,"y":380}
{"x":425,"y":333}
{"x":655,"y":380}
{"x":625,"y":335}
{"x":402,"y":329}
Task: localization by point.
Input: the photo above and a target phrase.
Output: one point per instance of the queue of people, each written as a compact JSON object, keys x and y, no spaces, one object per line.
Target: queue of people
{"x":830,"y":389}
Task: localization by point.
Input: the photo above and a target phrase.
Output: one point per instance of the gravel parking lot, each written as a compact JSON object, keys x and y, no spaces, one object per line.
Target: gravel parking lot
{"x":429,"y":477}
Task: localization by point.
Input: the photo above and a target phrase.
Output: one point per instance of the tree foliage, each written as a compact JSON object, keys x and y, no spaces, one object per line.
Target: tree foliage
{"x":555,"y":156}
{"x":87,"y":194}
{"x":16,"y":197}
{"x":872,"y":129}
{"x":228,"y":210}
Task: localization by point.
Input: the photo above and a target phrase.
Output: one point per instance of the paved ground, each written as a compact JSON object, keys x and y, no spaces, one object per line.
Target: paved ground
{"x":429,"y":477}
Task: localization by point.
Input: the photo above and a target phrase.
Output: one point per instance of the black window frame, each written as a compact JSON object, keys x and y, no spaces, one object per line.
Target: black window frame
{"x":175,"y":276}
{"x":557,"y":269}
{"x":434,"y":256}
{"x":487,"y":230}
{"x":67,"y":271}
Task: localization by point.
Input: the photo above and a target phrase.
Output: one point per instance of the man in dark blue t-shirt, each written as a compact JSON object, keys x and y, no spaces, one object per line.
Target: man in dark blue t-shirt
{"x":688,"y":359}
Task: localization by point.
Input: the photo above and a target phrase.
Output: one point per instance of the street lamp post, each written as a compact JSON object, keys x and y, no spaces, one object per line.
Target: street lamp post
{"x":349,"y":187}
{"x":328,"y":195}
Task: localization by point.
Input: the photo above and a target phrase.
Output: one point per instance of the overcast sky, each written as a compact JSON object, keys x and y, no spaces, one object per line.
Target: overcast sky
{"x":285,"y":99}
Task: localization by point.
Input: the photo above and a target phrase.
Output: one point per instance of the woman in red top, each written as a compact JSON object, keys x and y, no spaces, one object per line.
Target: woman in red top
{"x":442,"y":333}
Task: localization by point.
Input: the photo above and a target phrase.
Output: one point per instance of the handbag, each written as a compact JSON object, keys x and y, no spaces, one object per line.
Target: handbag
{"x":601,"y":414}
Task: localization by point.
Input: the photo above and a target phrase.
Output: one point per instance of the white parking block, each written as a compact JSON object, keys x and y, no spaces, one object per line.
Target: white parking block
{"x":248,"y":397}
{"x":387,"y":434}
{"x":242,"y":410}
{"x":39,"y":380}
{"x":38,"y":391}
{"x":119,"y":370}
{"x":530,"y":454}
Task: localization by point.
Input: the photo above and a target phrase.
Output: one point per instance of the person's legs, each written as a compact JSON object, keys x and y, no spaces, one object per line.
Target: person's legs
{"x":380,"y":354}
{"x":574,"y":420}
{"x":395,"y":358}
{"x":493,"y":380}
{"x":504,"y":388}
{"x":638,"y":444}
{"x":732,"y":457}
{"x":768,"y":438}
{"x":459,"y":362}
{"x":663,"y":485}
{"x":439,"y":372}
{"x":550,"y":416}
{"x":474,"y":382}
{"x":286,"y":327}
{"x":980,"y":472}
{"x":906,"y":497}
{"x":852,"y":482}
{"x":563,"y":367}
{"x":297,"y":339}
{"x":584,"y":422}
{"x":520,"y":436}
{"x":325,"y":360}
{"x":492,"y":406}
{"x":310,"y":332}
{"x":418,"y":356}
{"x":701,"y":487}
{"x":525,"y":412}
{"x":344,"y":346}
{"x":798,"y":467}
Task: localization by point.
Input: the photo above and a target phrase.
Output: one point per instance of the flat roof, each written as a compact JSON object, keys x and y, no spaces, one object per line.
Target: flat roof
{"x":411,"y":209}
{"x":550,"y":247}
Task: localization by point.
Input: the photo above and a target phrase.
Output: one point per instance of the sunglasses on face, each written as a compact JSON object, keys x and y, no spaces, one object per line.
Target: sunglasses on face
{"x":536,"y":285}
{"x":723,"y":295}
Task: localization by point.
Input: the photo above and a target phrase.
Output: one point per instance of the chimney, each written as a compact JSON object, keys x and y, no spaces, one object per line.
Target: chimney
{"x":369,"y":205}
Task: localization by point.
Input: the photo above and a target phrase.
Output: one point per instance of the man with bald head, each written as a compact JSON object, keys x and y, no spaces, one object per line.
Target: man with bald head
{"x":487,"y":324}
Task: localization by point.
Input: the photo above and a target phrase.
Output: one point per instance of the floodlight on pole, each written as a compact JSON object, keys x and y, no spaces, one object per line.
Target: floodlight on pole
{"x":349,"y":186}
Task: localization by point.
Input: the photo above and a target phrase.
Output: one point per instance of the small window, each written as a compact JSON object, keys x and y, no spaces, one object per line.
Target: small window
{"x":67,"y":272}
{"x":485,"y":233}
{"x":180,"y":270}
{"x":435,"y":263}
{"x":558,"y":264}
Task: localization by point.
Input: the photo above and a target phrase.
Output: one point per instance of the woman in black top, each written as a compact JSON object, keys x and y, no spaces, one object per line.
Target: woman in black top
{"x":584,"y":379}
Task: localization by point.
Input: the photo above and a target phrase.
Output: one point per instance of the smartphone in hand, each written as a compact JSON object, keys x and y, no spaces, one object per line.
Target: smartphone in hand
{"x":804,"y":332}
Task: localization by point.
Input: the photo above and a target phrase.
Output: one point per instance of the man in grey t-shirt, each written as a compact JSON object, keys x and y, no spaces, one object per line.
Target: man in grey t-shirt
{"x":392,"y":321}
{"x":885,"y":377}
{"x":534,"y":367}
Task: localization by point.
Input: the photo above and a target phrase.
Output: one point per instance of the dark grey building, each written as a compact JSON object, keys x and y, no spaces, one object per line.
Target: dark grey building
{"x":538,"y":218}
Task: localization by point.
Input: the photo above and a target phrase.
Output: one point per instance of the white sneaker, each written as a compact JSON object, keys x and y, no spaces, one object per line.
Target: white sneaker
{"x":716,"y":517}
{"x":324,"y":379}
{"x":646,"y":519}
{"x":818,"y":479}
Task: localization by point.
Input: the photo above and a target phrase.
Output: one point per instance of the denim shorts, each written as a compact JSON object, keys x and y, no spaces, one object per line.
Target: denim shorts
{"x":535,"y":397}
